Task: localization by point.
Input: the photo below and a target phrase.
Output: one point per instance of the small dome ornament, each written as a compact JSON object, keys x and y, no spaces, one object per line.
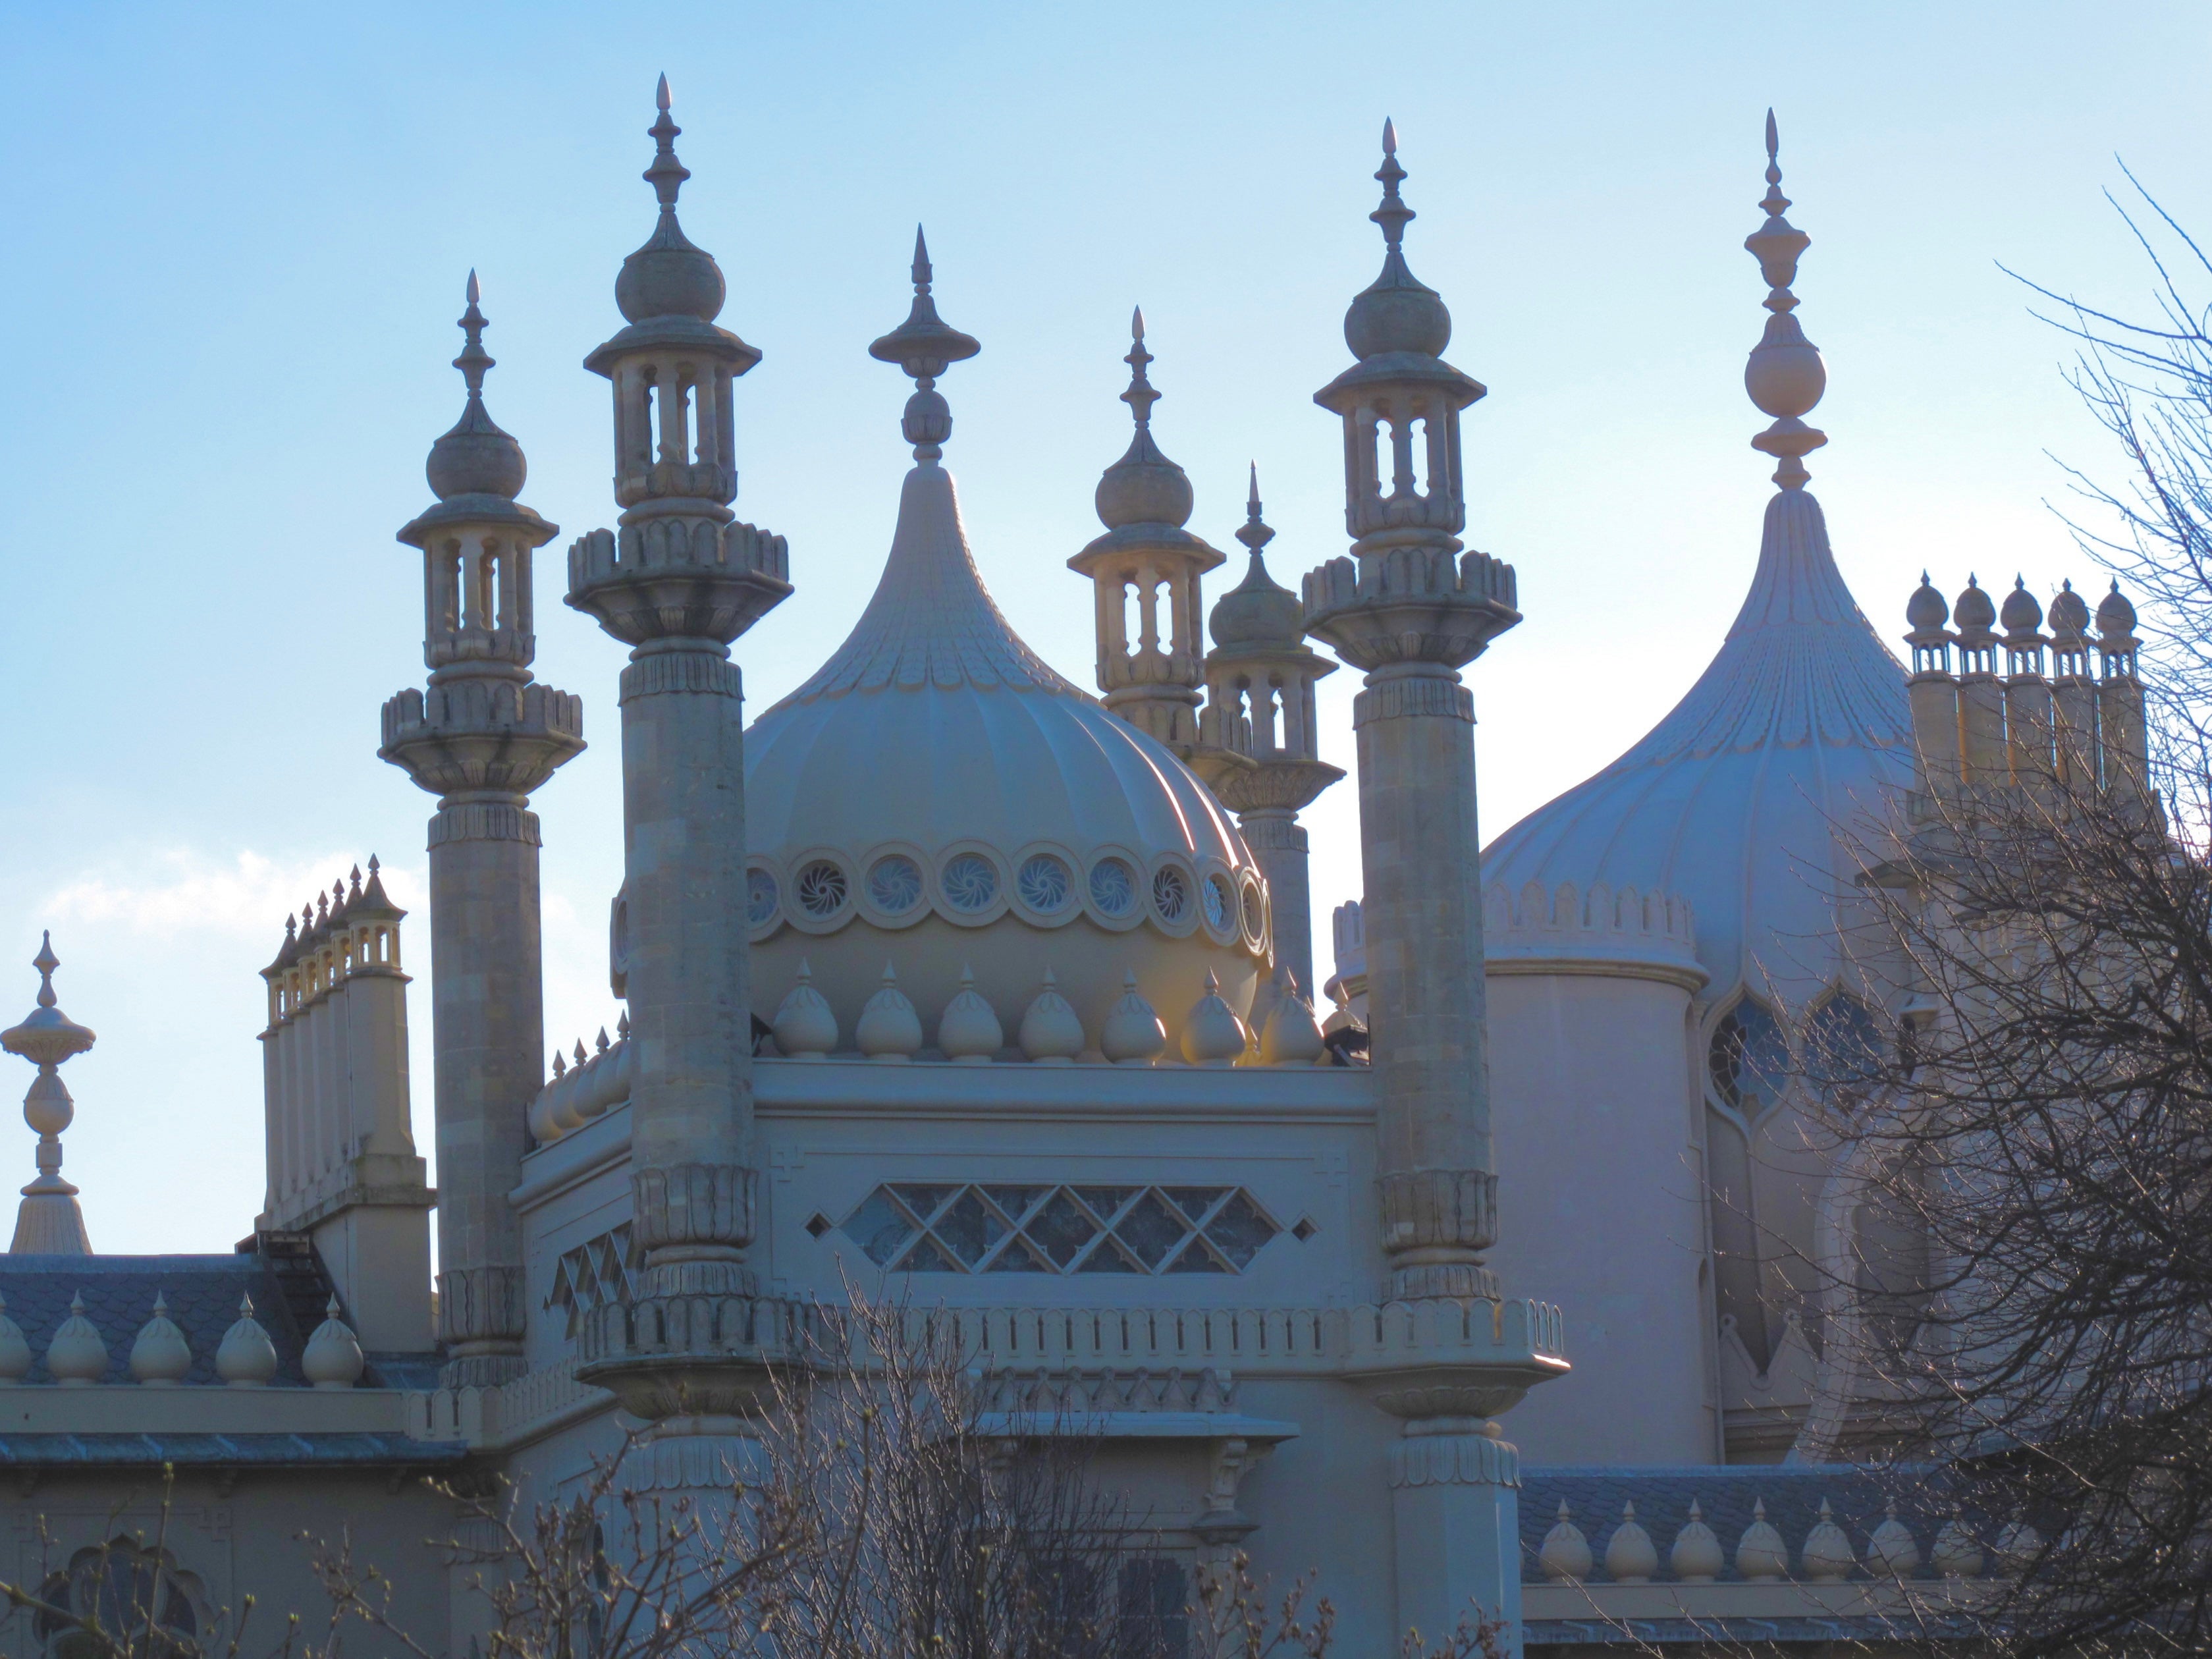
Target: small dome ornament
{"x":14,"y":1352}
{"x":1784,"y":376}
{"x":1975,"y":613}
{"x":160,"y":1356}
{"x":1396,"y":313}
{"x":476,"y":457}
{"x":1133,"y":1034}
{"x":48,"y":1221}
{"x":1827,"y":1557}
{"x":2020,"y":616}
{"x":1892,"y":1551}
{"x":77,"y":1356}
{"x":890,"y":1031}
{"x":2017,"y":1548}
{"x":1631,"y":1557}
{"x":925,"y":346}
{"x":668,"y":277}
{"x":1926,"y":611}
{"x":1292,"y":1035}
{"x":1258,"y":610}
{"x":805,"y":1027}
{"x":1212,"y":1033}
{"x":1697,"y":1557}
{"x":1956,"y":1555}
{"x":246,"y":1357}
{"x":1761,"y":1557}
{"x":1564,"y":1555}
{"x":2070,"y":616}
{"x":2115,"y":615}
{"x":967,"y":1032}
{"x":1143,"y":487}
{"x":332,"y":1358}
{"x":1052,"y":1033}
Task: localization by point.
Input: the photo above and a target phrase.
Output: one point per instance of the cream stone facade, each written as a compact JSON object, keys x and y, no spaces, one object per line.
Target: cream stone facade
{"x":946,"y":977}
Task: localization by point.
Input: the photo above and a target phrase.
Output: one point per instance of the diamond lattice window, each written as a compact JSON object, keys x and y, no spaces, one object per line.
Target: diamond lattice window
{"x":593,"y":1274}
{"x":957,"y":1228}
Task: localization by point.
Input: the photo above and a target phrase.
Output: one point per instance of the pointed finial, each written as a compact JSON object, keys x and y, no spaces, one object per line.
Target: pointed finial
{"x":925,"y":345}
{"x":1393,"y":214}
{"x":161,"y":1305}
{"x":1140,"y":396}
{"x":373,"y":866}
{"x":560,"y":1064}
{"x":1784,"y":376}
{"x":46,"y":961}
{"x":603,"y":1045}
{"x":666,"y":174}
{"x":246,"y":1306}
{"x":474,"y":359}
{"x":622,"y":1028}
{"x":1255,"y":534}
{"x":660,"y":100}
{"x":356,"y":882}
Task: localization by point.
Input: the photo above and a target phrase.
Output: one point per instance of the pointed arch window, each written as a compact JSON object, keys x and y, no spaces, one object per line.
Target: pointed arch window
{"x":1749,"y":1058}
{"x":1843,"y":1044}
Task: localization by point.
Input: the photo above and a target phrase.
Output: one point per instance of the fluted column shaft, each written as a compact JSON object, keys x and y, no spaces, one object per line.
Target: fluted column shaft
{"x":691,"y":1105}
{"x":1414,"y":724}
{"x":488,"y":1019}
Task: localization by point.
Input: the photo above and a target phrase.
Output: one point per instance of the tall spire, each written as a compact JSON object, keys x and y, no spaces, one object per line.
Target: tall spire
{"x":1784,"y":376}
{"x":1143,"y":487}
{"x":476,"y":457}
{"x":668,"y":277}
{"x":1397,"y":312}
{"x":48,"y":1222}
{"x":925,"y":346}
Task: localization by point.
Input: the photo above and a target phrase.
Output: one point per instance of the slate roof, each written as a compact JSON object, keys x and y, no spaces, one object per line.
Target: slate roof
{"x":289,"y":1292}
{"x":257,"y":1450}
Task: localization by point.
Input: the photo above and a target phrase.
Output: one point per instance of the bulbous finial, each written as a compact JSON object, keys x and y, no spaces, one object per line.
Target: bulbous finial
{"x":47,"y":1036}
{"x":669,"y":276}
{"x":46,"y":961}
{"x":1143,"y":487}
{"x":925,"y":346}
{"x":1258,"y":610}
{"x":476,"y":457}
{"x":1396,"y":312}
{"x":1785,"y":375}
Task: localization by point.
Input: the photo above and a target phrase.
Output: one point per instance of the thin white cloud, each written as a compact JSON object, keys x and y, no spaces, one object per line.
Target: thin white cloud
{"x":180,"y":889}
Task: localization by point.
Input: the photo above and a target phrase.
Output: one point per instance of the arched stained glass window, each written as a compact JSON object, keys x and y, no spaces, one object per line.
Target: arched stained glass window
{"x":1749,"y":1059}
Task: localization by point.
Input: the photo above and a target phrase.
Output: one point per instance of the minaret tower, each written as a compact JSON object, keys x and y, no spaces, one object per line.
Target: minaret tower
{"x":677,"y":581}
{"x":48,"y":1221}
{"x":1260,"y":703}
{"x":1409,"y":610}
{"x":1144,"y":499}
{"x":482,"y":736}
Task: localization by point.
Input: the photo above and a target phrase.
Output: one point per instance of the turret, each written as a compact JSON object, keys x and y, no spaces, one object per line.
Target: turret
{"x":48,"y":1221}
{"x":482,"y":736}
{"x":1146,"y":571}
{"x":1259,"y":704}
{"x":1409,"y":610}
{"x":677,"y":581}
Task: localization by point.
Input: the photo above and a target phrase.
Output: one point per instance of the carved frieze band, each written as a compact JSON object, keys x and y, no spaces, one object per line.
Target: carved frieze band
{"x":693,"y":1204}
{"x":477,"y":1305}
{"x":1426,"y":696}
{"x":1424,"y":1208}
{"x":699,"y":673}
{"x":482,"y":821}
{"x":1453,"y":1460}
{"x":1277,"y":833}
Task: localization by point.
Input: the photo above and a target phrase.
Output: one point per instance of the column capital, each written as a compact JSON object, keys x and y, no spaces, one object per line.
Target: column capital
{"x":1415,"y":604}
{"x":492,"y":734}
{"x":679,"y":576}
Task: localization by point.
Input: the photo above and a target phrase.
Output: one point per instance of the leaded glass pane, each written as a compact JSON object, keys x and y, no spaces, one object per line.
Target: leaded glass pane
{"x":1239,"y":1229}
{"x":1150,"y":1230}
{"x":878,"y":1228}
{"x":1061,"y":1228}
{"x":1195,"y":1201}
{"x":967,"y":1228}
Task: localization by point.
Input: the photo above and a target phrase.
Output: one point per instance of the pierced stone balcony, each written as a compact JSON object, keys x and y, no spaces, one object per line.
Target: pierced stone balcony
{"x":467,"y":735}
{"x":678,"y":578}
{"x":1411,"y":605}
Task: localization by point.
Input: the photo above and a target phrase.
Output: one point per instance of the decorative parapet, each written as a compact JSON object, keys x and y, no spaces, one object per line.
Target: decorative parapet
{"x":481,"y":733}
{"x":1567,"y":930}
{"x":688,"y":578}
{"x":1405,"y":605}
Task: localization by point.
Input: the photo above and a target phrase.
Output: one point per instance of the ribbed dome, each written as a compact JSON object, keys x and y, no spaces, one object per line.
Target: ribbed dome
{"x":1259,"y":611}
{"x":2020,"y":613}
{"x":476,"y":457}
{"x":1797,"y":729}
{"x":936,"y":796}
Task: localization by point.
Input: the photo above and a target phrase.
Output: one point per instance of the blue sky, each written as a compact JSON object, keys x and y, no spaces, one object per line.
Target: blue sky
{"x":235,"y":242}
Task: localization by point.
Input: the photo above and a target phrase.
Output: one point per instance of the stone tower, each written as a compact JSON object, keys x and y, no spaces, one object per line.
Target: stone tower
{"x":1409,"y":610}
{"x":482,"y":736}
{"x":1146,"y":557}
{"x":677,"y":581}
{"x":1260,"y":703}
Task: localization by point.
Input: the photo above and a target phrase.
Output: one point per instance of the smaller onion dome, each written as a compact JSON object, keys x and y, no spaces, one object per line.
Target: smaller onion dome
{"x":1760,"y":1554}
{"x":969,"y":1030}
{"x":332,"y":1358}
{"x":889,"y":1029}
{"x":1974,"y":612}
{"x":1292,"y":1036}
{"x":1143,"y":487}
{"x":1892,"y":1550}
{"x":160,"y":1358}
{"x":2115,"y":616}
{"x":476,"y":457}
{"x":1697,"y":1557}
{"x":1827,"y":1557}
{"x":2021,"y":614}
{"x":1396,"y":312}
{"x":805,"y":1027}
{"x":14,"y":1352}
{"x":1133,"y":1034}
{"x":1956,"y":1554}
{"x":669,"y":276}
{"x":1926,"y":612}
{"x":77,"y":1357}
{"x":1566,"y":1555}
{"x":1258,"y":610}
{"x":1212,"y":1033}
{"x":1052,"y":1032}
{"x":2070,"y":613}
{"x":1631,"y":1557}
{"x":247,"y":1359}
